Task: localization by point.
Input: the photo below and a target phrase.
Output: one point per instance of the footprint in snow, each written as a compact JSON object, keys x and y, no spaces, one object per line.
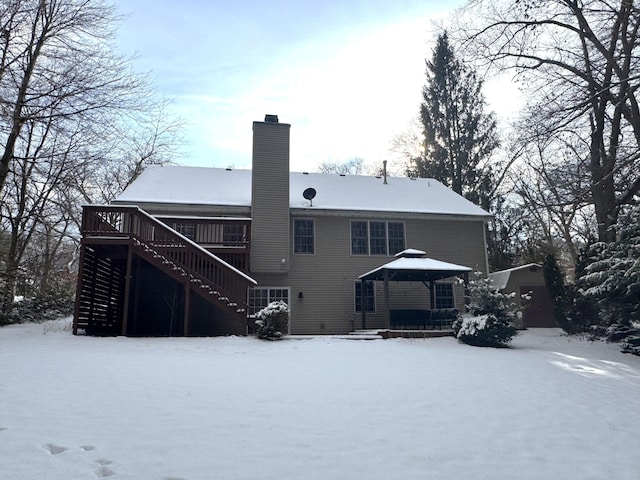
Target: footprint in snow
{"x":103,"y":472}
{"x":2,"y":428}
{"x":54,"y":449}
{"x":87,"y":448}
{"x":102,"y":461}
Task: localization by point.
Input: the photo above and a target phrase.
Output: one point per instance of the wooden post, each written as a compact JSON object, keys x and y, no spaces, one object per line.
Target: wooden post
{"x":363,"y":307}
{"x":432,"y":295}
{"x":187,"y":301}
{"x":136,"y":298}
{"x":79,"y":285}
{"x":387,"y":311}
{"x":127,"y":289}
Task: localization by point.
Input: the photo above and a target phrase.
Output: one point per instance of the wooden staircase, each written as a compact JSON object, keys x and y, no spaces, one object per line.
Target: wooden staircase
{"x":114,"y":238}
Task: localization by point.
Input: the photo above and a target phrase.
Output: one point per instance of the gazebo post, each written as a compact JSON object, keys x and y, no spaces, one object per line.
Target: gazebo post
{"x":363,"y":307}
{"x":432,"y":296}
{"x":387,"y":311}
{"x":467,"y":292}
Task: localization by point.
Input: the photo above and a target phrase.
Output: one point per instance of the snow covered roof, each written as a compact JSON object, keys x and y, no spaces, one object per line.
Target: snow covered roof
{"x":411,"y":252}
{"x":500,"y":278}
{"x":231,"y":187}
{"x":415,"y":269}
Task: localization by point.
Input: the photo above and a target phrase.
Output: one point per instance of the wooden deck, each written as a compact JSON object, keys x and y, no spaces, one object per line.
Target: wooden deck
{"x":404,"y":333}
{"x":138,"y":276}
{"x":416,"y":333}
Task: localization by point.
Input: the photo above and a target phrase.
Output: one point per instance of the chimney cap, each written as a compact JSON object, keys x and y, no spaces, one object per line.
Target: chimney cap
{"x":269,"y":118}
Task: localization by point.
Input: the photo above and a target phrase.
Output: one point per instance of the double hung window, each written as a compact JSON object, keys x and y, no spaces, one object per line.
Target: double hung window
{"x":303,"y":236}
{"x":369,"y":237}
{"x":444,"y":295}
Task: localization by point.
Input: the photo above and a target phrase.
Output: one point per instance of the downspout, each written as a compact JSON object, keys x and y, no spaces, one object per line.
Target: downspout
{"x":486,"y":250}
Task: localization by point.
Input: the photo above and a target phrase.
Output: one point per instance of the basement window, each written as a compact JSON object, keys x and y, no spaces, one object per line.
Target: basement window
{"x":260,"y":297}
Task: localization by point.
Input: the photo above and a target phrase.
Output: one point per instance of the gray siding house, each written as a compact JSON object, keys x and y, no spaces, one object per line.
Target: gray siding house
{"x":197,"y":251}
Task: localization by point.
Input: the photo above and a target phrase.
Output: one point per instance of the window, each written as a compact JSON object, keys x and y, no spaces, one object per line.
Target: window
{"x":260,"y":297}
{"x":359,"y":238}
{"x":303,"y":236}
{"x":444,"y":295}
{"x":233,"y":234}
{"x":369,"y":297}
{"x":376,"y":237}
{"x":396,"y":237}
{"x":186,"y":229}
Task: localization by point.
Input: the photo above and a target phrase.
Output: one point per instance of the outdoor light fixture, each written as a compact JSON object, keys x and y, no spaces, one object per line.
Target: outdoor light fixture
{"x":300,"y":295}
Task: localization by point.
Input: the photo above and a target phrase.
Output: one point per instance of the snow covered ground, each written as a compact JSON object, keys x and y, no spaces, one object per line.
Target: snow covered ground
{"x":551,"y":407}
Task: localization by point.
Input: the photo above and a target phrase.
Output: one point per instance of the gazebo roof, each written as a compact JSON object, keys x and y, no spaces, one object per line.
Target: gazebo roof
{"x":415,"y":269}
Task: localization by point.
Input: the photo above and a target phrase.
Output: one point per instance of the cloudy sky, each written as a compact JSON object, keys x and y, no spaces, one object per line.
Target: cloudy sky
{"x":346,"y":74}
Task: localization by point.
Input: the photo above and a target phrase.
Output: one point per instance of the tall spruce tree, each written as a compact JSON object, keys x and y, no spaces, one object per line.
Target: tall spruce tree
{"x":459,"y":137}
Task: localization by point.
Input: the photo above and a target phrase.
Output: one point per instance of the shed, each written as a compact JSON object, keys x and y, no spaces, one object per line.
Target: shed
{"x":528,"y":279}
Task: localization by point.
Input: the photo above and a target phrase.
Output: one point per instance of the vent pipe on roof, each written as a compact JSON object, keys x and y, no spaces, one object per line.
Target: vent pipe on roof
{"x":384,"y":171}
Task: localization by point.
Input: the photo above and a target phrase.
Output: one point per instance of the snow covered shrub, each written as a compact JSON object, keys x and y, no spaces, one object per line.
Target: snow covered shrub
{"x":491,"y":321}
{"x":52,"y":305}
{"x":627,"y":335}
{"x":485,"y":331}
{"x":631,"y":344}
{"x":273,"y":320}
{"x":485,"y":299}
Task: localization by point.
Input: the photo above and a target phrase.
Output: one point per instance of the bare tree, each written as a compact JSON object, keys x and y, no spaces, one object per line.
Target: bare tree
{"x":353,"y":166}
{"x":556,"y":201}
{"x":578,"y":63}
{"x":76,"y":125}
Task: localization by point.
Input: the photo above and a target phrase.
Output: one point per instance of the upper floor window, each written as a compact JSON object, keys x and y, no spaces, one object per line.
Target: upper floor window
{"x":369,"y":237}
{"x":303,"y":235}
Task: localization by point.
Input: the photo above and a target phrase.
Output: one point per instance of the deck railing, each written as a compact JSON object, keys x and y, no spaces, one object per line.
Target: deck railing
{"x":167,"y":245}
{"x":227,"y":238}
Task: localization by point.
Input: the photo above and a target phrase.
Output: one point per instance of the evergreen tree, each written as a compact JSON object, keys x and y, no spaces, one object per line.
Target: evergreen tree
{"x":560,"y":294}
{"x":459,"y":137}
{"x":612,"y":278}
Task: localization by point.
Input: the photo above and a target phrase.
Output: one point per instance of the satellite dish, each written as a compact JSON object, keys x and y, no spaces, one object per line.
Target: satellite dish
{"x":309,"y":194}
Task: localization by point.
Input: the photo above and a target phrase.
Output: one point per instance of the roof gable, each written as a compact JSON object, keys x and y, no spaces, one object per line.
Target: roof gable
{"x":231,"y":187}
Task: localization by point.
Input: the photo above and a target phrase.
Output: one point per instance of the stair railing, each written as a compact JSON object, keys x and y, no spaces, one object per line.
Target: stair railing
{"x":164,"y":243}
